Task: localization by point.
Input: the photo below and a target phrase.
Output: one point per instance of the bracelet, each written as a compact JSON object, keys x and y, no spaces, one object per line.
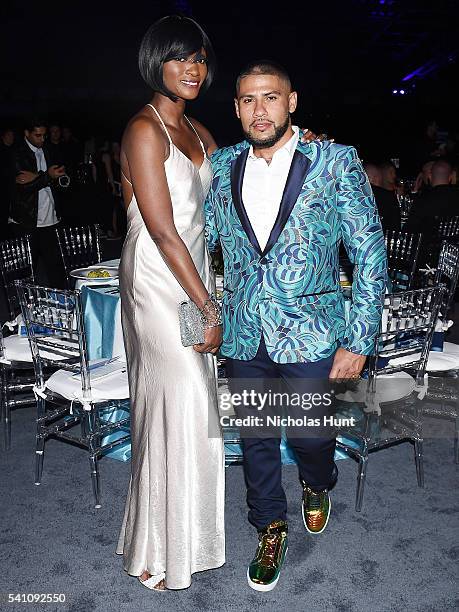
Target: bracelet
{"x":211,"y":313}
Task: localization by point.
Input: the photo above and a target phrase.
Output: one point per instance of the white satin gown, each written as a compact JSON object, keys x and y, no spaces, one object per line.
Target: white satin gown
{"x":174,"y":517}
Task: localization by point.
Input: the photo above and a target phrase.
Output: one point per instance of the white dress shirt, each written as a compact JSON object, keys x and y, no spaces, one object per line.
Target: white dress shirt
{"x":263,"y":186}
{"x":46,"y":210}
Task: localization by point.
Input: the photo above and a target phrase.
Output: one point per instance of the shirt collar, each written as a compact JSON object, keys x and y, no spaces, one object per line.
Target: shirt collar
{"x":34,"y":149}
{"x":289,"y":147}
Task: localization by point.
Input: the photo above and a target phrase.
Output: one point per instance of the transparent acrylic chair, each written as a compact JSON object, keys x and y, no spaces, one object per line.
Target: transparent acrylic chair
{"x":79,"y":246}
{"x":385,"y":405}
{"x":70,"y":402}
{"x":16,"y":368}
{"x":402,"y":255}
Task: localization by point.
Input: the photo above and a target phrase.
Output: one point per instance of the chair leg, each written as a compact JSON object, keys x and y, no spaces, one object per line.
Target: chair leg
{"x":6,"y":408}
{"x":7,"y":423}
{"x":419,"y":460}
{"x":90,"y":428}
{"x":456,"y":441}
{"x":40,"y":445}
{"x":361,"y":477}
{"x":3,"y":413}
{"x":95,"y":480}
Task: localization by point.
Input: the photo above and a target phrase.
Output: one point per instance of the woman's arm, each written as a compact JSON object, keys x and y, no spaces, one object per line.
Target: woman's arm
{"x":145,"y":149}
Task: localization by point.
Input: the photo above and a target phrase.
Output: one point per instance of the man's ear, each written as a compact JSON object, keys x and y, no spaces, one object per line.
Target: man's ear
{"x":236,"y":108}
{"x":292,"y":101}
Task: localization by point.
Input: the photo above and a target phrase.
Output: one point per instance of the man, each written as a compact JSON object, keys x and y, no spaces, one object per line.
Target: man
{"x":280,"y":209}
{"x":34,"y":207}
{"x":386,"y":199}
{"x":442,"y":200}
{"x":388,"y":176}
{"x":424,"y":178}
{"x":54,"y":146}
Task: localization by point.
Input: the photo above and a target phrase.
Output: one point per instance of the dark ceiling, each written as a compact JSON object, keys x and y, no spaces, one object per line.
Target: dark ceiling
{"x":78,"y":60}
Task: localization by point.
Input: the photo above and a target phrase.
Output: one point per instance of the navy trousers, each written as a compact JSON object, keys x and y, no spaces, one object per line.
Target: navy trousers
{"x":314,"y":449}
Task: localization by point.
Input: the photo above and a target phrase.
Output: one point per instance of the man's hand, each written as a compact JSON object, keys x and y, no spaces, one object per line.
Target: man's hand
{"x":309,"y":136}
{"x":56,"y":171}
{"x":212,"y":340}
{"x":25,"y":177}
{"x":347,"y":365}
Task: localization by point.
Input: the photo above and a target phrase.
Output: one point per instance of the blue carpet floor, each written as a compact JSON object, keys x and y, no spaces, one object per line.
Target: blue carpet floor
{"x":399,"y":554}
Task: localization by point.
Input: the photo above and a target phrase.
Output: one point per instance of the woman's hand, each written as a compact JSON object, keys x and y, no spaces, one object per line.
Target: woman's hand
{"x":308,"y":136}
{"x":212,"y":340}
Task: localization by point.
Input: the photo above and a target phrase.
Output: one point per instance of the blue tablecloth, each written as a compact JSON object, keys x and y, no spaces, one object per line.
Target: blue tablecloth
{"x":100,"y":304}
{"x":103,"y":336}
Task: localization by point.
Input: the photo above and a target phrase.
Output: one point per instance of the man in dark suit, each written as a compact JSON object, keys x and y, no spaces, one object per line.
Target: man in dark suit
{"x":386,"y":199}
{"x":34,"y":207}
{"x":440,"y":201}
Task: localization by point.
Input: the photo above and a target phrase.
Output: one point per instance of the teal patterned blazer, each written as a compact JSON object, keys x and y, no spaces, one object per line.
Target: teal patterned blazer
{"x":289,"y":291}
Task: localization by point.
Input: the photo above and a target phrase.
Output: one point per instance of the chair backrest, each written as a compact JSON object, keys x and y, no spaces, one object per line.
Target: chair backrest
{"x":407,"y":327}
{"x":55,"y":328}
{"x":402,"y":256}
{"x":79,"y":246}
{"x":447,"y":228}
{"x":447,"y":273}
{"x":15,"y":264}
{"x":442,"y":228}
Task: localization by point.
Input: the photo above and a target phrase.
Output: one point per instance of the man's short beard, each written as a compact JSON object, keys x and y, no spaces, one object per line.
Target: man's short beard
{"x":279,"y":131}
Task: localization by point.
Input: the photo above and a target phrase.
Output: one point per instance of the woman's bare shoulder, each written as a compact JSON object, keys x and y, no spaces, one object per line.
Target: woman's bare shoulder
{"x":144,"y":127}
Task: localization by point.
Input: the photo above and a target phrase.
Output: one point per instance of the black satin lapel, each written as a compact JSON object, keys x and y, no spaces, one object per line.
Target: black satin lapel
{"x":296,"y":177}
{"x":237,"y":176}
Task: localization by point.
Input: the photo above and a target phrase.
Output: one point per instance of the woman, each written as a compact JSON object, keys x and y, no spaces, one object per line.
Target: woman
{"x":173,"y":524}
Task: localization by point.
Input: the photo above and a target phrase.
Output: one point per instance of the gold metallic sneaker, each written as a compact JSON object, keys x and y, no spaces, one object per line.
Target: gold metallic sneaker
{"x":263,"y":573}
{"x":315,"y":509}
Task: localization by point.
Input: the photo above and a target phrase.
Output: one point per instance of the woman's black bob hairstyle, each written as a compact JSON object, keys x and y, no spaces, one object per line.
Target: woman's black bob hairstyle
{"x":171,"y":37}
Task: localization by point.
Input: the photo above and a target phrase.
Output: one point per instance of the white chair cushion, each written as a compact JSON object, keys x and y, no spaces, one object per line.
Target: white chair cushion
{"x":438,"y":361}
{"x":389,"y":388}
{"x":110,"y":387}
{"x":17,"y":348}
{"x":450,"y":347}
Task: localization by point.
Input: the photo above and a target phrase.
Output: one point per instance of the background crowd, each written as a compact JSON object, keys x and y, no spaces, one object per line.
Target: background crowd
{"x":77,"y":182}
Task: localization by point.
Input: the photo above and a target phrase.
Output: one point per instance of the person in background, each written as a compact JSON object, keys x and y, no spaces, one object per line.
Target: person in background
{"x":423,"y":180}
{"x":54,"y":144}
{"x":73,"y":151}
{"x":35,"y":205}
{"x":118,"y":212}
{"x":442,"y":200}
{"x":109,"y":181}
{"x":386,"y":199}
{"x":388,"y":176}
{"x":6,"y":151}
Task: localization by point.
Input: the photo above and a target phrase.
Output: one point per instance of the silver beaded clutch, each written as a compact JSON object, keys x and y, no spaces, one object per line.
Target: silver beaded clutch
{"x":191,"y":323}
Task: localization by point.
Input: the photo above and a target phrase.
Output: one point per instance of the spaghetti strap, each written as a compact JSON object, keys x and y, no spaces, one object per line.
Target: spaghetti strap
{"x":194,"y":130}
{"x":126,"y":178}
{"x":162,"y":123}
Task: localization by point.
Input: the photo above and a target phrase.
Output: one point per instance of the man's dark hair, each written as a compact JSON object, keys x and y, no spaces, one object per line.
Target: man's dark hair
{"x":35,"y":122}
{"x":264,"y":67}
{"x":170,"y":38}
